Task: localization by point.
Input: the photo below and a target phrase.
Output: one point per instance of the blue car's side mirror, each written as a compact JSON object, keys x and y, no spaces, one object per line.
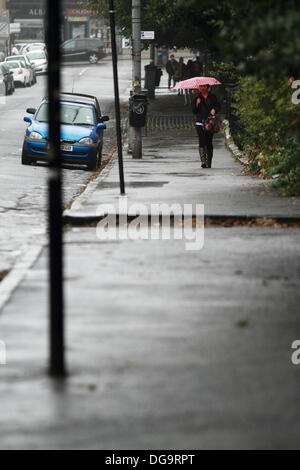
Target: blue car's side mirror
{"x":101,"y":126}
{"x":28,"y":119}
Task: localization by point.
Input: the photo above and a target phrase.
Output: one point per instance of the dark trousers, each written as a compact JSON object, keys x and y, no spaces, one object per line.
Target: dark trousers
{"x":205,"y":139}
{"x":171,"y":77}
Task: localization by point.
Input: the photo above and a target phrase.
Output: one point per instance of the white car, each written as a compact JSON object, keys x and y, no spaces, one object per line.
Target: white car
{"x":20,"y":72}
{"x":39,"y":60}
{"x":24,"y":58}
{"x":40,"y":46}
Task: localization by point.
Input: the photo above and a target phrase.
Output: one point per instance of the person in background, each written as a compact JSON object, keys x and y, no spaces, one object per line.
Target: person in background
{"x":189,"y":68}
{"x":2,"y":56}
{"x":180,"y":73}
{"x":15,"y":50}
{"x":198,"y":67}
{"x":183,"y":74}
{"x":171,"y":67}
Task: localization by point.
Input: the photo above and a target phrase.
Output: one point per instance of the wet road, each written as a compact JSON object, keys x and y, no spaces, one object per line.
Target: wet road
{"x":23,"y":202}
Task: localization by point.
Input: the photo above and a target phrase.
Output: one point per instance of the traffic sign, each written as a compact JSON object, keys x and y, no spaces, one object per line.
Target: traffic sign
{"x":4,"y":24}
{"x":15,"y":28}
{"x":148,"y":35}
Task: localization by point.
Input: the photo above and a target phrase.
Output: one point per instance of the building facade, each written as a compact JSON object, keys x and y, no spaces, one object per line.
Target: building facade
{"x":77,"y":20}
{"x":80,"y":22}
{"x":29,"y":14}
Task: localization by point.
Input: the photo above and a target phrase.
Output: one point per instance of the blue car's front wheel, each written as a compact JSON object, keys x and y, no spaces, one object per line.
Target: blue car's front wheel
{"x":95,"y":160}
{"x":26,"y":160}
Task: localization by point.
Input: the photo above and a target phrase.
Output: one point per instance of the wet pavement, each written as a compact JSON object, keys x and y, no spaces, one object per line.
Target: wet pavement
{"x":166,"y":348}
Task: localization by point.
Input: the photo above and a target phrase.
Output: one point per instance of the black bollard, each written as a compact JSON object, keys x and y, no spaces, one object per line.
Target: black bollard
{"x":57,"y":354}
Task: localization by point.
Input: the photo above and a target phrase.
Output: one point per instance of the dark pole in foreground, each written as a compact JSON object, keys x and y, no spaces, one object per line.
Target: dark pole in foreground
{"x":117,"y":96}
{"x":57,"y":360}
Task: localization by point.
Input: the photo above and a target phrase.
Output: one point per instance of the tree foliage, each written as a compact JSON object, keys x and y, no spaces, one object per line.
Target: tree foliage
{"x":261,"y":36}
{"x":270,"y":136}
{"x":176,"y":23}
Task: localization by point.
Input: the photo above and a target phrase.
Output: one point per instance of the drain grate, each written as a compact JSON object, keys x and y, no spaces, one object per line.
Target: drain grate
{"x":176,"y":122}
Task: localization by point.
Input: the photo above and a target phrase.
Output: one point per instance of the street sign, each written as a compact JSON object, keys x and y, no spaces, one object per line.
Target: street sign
{"x":4,"y":31}
{"x":4,"y":24}
{"x":15,"y":28}
{"x":126,"y":44}
{"x":147,"y":35}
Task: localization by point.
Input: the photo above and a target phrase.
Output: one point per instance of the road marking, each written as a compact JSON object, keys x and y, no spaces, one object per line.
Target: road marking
{"x":17,"y":274}
{"x":82,"y":72}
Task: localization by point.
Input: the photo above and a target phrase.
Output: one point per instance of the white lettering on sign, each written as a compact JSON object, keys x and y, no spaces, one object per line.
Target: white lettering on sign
{"x":37,"y":12}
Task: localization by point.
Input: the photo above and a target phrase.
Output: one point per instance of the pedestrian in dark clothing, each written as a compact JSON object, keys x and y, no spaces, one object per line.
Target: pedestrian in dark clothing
{"x":189,"y":74}
{"x":180,"y":73}
{"x":198,"y":67}
{"x":172,"y":67}
{"x":189,"y":69}
{"x":205,"y":104}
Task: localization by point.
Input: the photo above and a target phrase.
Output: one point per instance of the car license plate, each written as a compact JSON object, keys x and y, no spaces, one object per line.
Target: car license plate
{"x":66,"y":148}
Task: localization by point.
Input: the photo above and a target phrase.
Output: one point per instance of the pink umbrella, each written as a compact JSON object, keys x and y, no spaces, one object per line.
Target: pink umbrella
{"x":194,"y":83}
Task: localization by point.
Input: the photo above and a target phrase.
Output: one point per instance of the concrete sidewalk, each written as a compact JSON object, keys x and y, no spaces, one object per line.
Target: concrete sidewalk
{"x":167,"y":349}
{"x":170,"y":172}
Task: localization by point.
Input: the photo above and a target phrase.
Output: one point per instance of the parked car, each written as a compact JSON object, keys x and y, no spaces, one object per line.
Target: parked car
{"x":83,"y":49}
{"x":41,"y":46}
{"x":24,"y":58}
{"x":39,"y":60}
{"x":2,"y":85}
{"x":8,"y":78}
{"x":82,"y":131}
{"x":21,"y":73}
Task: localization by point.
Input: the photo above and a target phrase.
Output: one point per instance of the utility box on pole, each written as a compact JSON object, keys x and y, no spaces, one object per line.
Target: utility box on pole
{"x":138,"y":110}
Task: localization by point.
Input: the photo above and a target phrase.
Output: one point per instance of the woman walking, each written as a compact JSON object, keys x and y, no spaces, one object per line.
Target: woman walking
{"x":204,"y":105}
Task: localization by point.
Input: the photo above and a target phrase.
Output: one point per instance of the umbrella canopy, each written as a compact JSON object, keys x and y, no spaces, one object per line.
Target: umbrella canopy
{"x":194,"y":83}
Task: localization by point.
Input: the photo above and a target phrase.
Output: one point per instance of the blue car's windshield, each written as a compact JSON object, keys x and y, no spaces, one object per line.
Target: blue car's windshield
{"x":75,"y":115}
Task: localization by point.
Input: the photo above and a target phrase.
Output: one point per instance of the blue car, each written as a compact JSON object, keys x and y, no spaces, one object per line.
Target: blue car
{"x":82,"y":129}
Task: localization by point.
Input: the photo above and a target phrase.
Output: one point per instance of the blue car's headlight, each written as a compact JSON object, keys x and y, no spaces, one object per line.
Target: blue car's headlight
{"x":86,"y":141}
{"x":35,"y":136}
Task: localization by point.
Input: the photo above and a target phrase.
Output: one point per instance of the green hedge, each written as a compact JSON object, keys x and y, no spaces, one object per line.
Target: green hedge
{"x":268,"y":128}
{"x":271,"y":130}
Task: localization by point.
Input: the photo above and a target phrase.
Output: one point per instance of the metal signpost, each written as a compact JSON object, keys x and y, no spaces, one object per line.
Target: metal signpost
{"x":117,"y":96}
{"x":57,"y":352}
{"x":137,"y":145}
